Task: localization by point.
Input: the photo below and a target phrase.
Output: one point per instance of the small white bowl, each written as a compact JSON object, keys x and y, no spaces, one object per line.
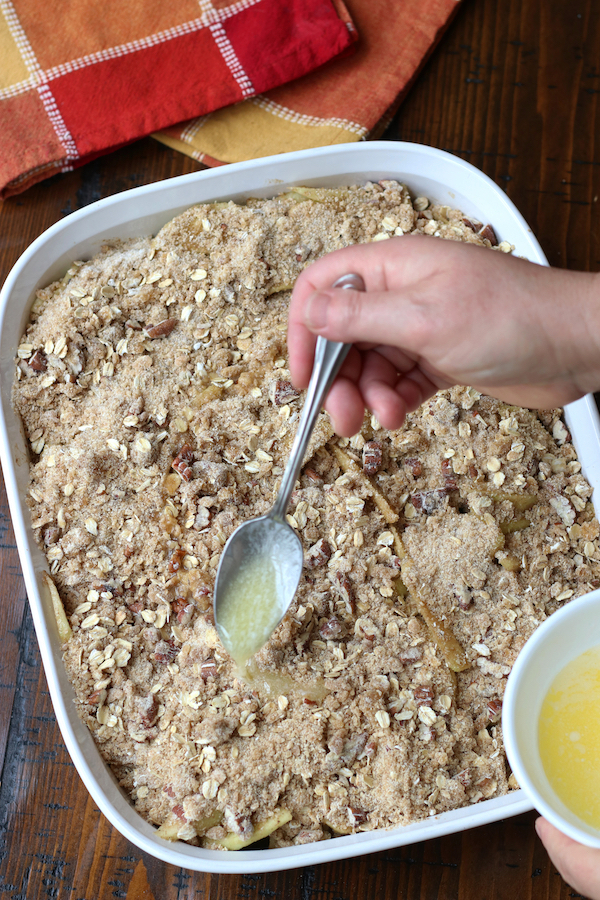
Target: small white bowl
{"x":564,"y":636}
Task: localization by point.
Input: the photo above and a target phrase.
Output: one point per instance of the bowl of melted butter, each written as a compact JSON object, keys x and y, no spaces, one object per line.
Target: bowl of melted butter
{"x":551,"y":719}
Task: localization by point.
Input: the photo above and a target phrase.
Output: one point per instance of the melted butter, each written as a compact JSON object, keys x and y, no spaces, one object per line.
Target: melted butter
{"x":569,"y":736}
{"x":252,"y":606}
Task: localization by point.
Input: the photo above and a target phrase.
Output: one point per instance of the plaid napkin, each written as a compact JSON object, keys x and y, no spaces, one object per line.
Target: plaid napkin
{"x":346,"y":100}
{"x":83,"y":77}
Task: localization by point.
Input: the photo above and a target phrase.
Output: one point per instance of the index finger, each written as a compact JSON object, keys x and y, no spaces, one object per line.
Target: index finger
{"x":319,"y":276}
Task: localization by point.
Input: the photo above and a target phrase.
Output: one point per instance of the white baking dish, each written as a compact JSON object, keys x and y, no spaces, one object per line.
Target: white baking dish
{"x":427,"y":171}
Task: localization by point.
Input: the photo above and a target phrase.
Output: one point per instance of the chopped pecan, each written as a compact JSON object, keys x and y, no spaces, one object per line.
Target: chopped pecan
{"x":449,"y":476}
{"x":208,"y":669}
{"x":357,"y":816}
{"x":237,"y":823}
{"x":318,"y":554}
{"x":38,"y":361}
{"x":165,"y":652}
{"x":149,"y":710}
{"x":183,"y":610}
{"x":488,"y":233}
{"x":372,"y":457}
{"x":162,"y":329}
{"x":423,"y":695}
{"x":494,"y":710}
{"x":415,"y":465}
{"x":176,"y":560}
{"x":284,"y":392}
{"x":168,"y":790}
{"x":429,"y":501}
{"x":51,"y":534}
{"x":183,"y":462}
{"x":368,"y":750}
{"x":96,"y":697}
{"x":330,"y":629}
{"x":178,"y":811}
{"x":474,"y":226}
{"x":410,"y":655}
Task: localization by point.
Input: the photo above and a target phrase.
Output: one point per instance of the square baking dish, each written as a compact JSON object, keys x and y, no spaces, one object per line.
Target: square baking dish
{"x":143,"y":211}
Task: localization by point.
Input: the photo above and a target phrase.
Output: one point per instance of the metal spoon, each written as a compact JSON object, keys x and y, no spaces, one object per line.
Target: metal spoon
{"x":261,"y":563}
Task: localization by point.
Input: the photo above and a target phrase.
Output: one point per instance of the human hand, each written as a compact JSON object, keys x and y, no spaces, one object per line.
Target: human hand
{"x":437,"y":313}
{"x":578,"y":865}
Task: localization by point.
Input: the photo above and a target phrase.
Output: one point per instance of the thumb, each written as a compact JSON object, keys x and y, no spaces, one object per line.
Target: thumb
{"x":578,"y":865}
{"x":356,"y":316}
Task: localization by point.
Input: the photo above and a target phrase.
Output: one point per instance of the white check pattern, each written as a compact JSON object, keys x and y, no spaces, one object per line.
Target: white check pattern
{"x":52,"y":111}
{"x":39,"y":79}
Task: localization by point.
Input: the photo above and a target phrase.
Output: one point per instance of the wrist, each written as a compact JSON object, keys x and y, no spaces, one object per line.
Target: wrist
{"x":584,"y":307}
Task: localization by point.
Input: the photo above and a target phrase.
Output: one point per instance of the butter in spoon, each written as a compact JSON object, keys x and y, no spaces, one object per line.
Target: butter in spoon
{"x":261,"y":563}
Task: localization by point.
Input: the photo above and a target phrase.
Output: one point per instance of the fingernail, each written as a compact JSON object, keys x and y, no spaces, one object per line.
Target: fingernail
{"x":316,"y":311}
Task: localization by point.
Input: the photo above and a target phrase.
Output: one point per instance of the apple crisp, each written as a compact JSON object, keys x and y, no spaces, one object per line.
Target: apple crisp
{"x":153,"y":388}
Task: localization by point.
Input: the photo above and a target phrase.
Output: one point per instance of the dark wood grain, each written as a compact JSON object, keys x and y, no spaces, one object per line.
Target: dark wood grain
{"x":514,"y":88}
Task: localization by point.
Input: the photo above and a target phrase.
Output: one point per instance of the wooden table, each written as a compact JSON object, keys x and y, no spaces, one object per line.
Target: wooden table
{"x":514,"y":88}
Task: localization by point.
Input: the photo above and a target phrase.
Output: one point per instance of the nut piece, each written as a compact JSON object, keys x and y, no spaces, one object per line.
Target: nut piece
{"x":176,"y":560}
{"x":149,"y":710}
{"x":165,"y":652}
{"x":208,"y":668}
{"x":494,"y":710}
{"x":415,"y":465}
{"x":330,"y":629}
{"x":38,"y":361}
{"x":429,"y":501}
{"x":357,"y":816}
{"x":284,"y":392}
{"x":182,"y":462}
{"x":423,"y":695}
{"x":449,"y":476}
{"x":488,"y":233}
{"x":183,"y":610}
{"x":162,"y":329}
{"x":371,"y":457}
{"x":318,"y":554}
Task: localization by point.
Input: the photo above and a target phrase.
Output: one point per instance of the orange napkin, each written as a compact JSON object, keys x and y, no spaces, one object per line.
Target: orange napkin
{"x":346,"y":100}
{"x":84,"y":77}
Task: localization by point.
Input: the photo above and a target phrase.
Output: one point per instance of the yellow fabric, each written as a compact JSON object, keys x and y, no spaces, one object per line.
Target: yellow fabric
{"x":253,"y":131}
{"x":13,"y":69}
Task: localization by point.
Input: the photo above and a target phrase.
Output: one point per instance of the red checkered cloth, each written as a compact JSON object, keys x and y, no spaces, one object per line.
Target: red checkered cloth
{"x":87,"y":77}
{"x":343,"y":101}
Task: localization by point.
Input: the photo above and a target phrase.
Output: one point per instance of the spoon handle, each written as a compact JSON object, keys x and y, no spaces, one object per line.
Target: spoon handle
{"x":329,"y":356}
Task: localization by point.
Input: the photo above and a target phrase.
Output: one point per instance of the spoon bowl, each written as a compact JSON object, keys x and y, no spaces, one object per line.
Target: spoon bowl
{"x":259,"y":571}
{"x":261,"y":564}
